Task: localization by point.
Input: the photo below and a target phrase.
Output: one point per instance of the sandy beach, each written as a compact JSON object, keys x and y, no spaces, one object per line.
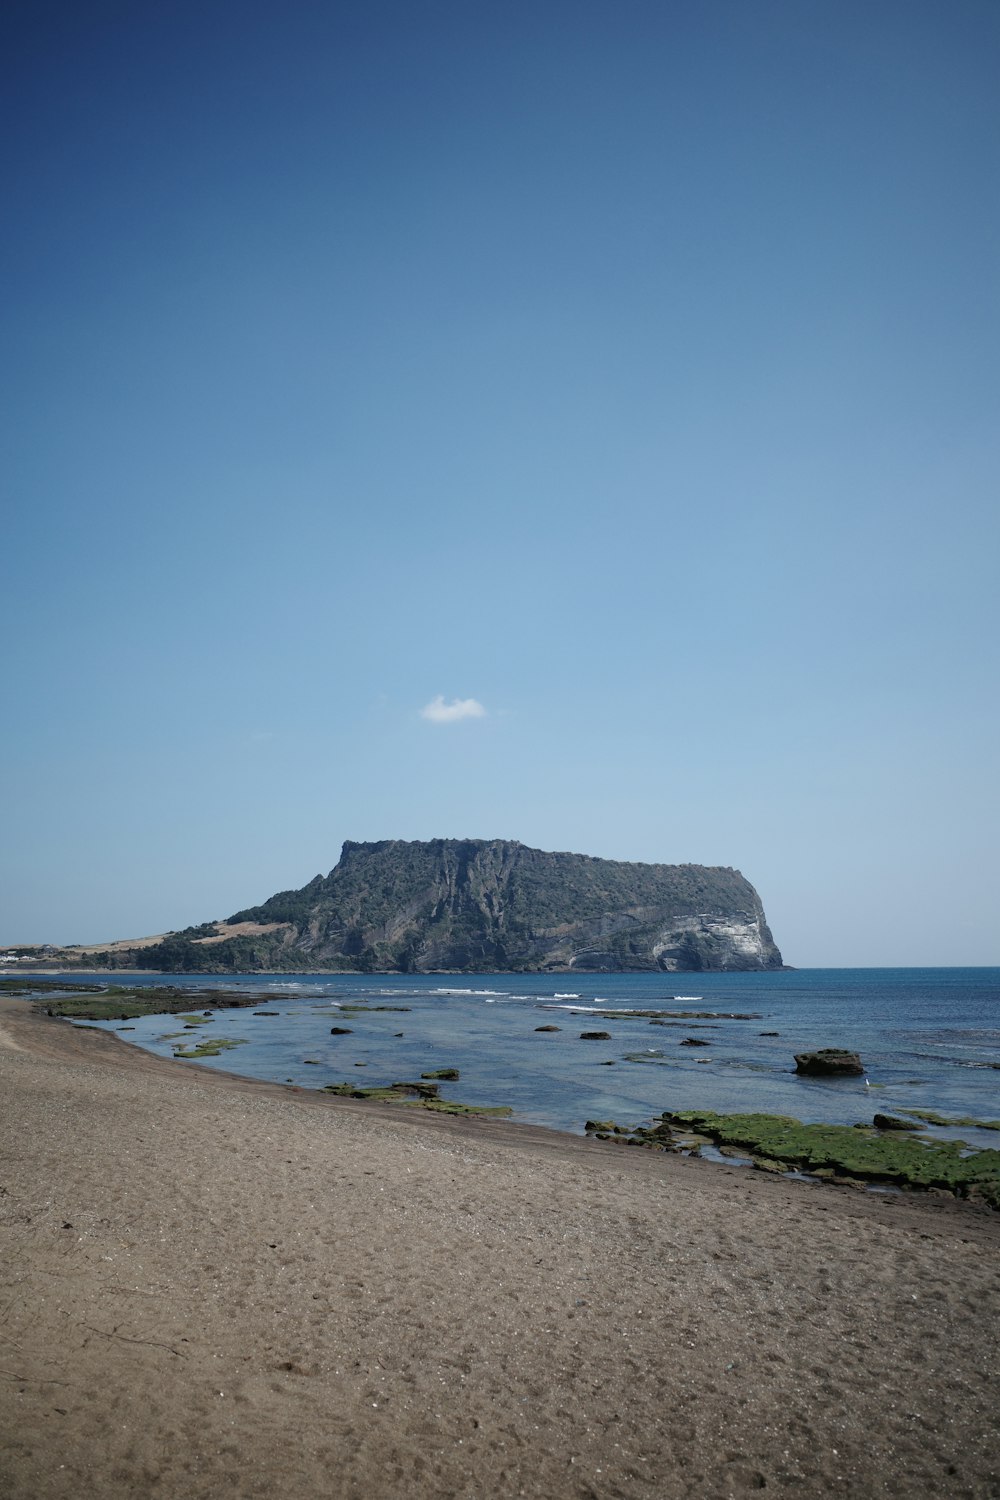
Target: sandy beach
{"x":211,"y":1286}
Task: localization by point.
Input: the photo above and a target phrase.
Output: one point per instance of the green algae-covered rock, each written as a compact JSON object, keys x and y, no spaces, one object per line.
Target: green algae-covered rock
{"x":854,"y":1151}
{"x":211,"y":1048}
{"x":931,"y":1117}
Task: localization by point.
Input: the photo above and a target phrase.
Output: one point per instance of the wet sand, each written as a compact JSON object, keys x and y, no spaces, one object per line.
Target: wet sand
{"x":213,"y":1286}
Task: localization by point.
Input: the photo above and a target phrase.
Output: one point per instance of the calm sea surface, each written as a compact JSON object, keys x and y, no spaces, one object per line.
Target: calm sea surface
{"x":928,"y":1038}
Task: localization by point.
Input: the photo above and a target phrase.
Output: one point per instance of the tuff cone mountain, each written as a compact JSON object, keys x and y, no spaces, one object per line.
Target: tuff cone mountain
{"x":485,"y":905}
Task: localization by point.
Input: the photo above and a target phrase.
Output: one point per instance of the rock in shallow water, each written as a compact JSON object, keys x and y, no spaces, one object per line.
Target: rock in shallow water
{"x":829,"y":1061}
{"x":890,"y":1122}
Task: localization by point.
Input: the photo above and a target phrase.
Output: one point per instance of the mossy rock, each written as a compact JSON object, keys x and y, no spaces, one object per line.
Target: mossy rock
{"x":355,"y":1091}
{"x":208,"y":1048}
{"x":119,"y":1002}
{"x":931,"y":1117}
{"x":446,"y":1074}
{"x":421,"y":1090}
{"x":860,"y":1152}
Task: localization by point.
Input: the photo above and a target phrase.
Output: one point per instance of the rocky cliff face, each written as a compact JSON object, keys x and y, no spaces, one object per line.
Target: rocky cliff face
{"x":482,"y":905}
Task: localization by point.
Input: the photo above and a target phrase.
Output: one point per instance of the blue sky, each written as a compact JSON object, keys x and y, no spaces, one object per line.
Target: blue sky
{"x":628,"y":370}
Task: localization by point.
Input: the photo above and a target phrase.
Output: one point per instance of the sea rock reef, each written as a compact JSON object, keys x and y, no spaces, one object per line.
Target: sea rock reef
{"x":829,"y":1062}
{"x":856,"y":1155}
{"x":482,"y":905}
{"x":420,"y":1096}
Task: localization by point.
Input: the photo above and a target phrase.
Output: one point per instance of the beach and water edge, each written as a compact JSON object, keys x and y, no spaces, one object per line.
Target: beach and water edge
{"x":213,"y":1283}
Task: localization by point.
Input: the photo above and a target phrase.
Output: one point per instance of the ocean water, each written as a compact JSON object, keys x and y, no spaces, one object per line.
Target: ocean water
{"x":928,"y":1038}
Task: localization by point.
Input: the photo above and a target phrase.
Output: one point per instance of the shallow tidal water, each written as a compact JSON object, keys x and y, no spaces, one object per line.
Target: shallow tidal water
{"x":928,"y":1038}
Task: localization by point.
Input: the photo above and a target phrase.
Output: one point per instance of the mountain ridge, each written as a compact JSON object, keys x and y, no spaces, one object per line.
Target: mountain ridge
{"x":483,"y":905}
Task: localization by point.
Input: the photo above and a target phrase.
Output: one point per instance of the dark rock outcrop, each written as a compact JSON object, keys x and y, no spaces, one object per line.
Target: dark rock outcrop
{"x":483,"y":905}
{"x":418,"y":1090}
{"x":829,"y":1062}
{"x":891,"y":1122}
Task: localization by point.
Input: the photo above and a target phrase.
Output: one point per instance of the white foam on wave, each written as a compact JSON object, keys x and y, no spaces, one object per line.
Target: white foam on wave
{"x":576,"y":1010}
{"x":686,"y":997}
{"x":570,"y":996}
{"x":496,"y":994}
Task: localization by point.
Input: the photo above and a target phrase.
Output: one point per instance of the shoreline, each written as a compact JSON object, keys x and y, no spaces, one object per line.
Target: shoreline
{"x":892,"y":1152}
{"x":889,"y":1173}
{"x":218,"y":1284}
{"x":17,"y":973}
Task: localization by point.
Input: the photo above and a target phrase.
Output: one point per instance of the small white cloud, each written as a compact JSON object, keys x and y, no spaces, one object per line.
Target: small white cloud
{"x":440,"y":712}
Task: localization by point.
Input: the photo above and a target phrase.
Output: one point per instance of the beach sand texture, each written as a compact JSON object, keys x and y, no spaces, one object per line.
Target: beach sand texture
{"x":217,"y":1287}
